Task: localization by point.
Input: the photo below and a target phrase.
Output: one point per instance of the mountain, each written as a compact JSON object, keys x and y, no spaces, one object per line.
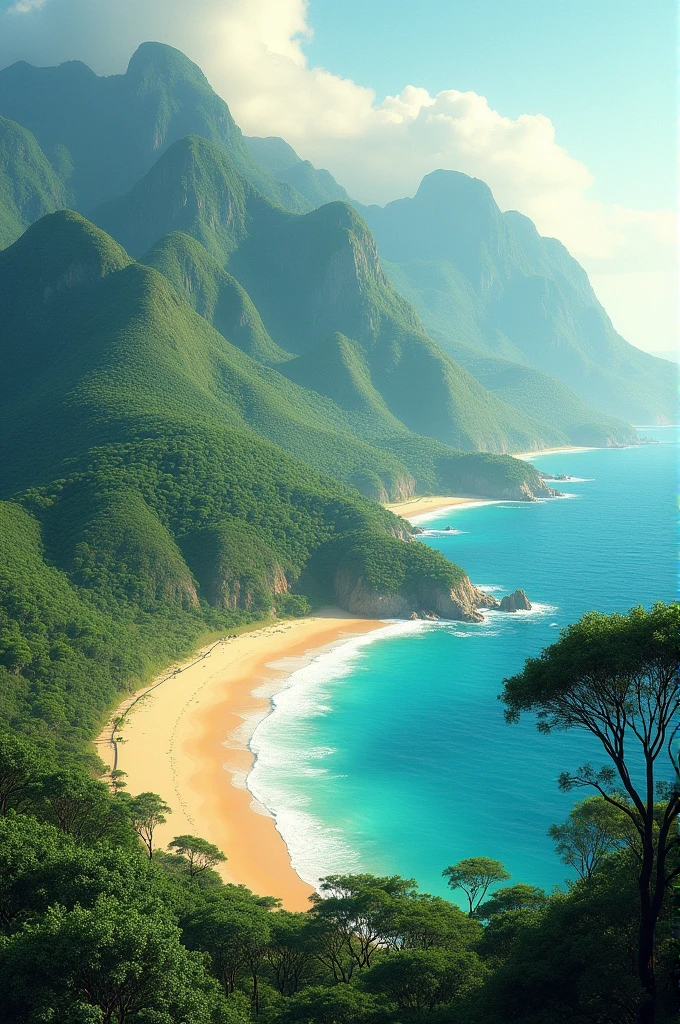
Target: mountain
{"x":101,"y":134}
{"x":29,"y":186}
{"x":214,"y":294}
{"x":94,"y":339}
{"x":318,"y":186}
{"x":311,"y":276}
{"x":546,"y":398}
{"x":488,"y":280}
{"x":143,"y":502}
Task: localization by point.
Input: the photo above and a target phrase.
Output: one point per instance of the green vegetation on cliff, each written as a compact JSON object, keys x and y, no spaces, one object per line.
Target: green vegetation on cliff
{"x":142,"y":510}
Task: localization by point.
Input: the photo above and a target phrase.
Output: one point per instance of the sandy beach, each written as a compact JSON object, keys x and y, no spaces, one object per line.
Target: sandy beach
{"x":186,"y":738}
{"x":550,"y":451}
{"x":431,"y":503}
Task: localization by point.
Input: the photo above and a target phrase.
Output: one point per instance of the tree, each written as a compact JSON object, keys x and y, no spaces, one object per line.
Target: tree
{"x":117,"y":780}
{"x":80,"y":805}
{"x":123,"y":961}
{"x":234,"y":930}
{"x":199,"y":853}
{"x":512,"y":897}
{"x":147,"y":811}
{"x":333,"y":1004}
{"x":26,"y":847}
{"x":475,"y":876}
{"x":352,"y":917}
{"x":616,"y":677}
{"x":422,"y":979}
{"x":20,"y":767}
{"x":422,"y":921}
{"x":290,"y":950}
{"x":595,"y":829}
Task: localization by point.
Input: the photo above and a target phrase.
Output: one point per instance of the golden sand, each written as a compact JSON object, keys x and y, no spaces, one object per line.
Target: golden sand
{"x":186,"y":738}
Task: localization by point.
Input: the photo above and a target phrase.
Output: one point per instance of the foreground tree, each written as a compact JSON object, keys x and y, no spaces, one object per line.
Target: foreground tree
{"x":352,"y":918}
{"x":111,"y":962}
{"x":20,"y":768}
{"x":147,"y":811}
{"x":595,"y":829}
{"x":199,"y":853}
{"x":475,"y":876}
{"x":616,"y":677}
{"x":512,"y":897}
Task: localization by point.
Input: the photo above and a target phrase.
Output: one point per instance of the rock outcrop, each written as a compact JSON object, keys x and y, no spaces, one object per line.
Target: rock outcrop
{"x":461,"y":602}
{"x":516,"y":602}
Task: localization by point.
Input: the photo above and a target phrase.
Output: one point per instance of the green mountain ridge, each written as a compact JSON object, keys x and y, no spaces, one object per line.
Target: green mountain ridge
{"x":103,"y":133}
{"x":488,"y":280}
{"x":315,"y":184}
{"x":310,"y":276}
{"x":214,"y":294}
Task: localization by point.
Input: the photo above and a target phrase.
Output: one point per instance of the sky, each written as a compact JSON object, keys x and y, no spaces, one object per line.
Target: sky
{"x":565,"y":107}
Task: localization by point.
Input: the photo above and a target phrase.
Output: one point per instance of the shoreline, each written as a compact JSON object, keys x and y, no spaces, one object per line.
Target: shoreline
{"x":553,"y":451}
{"x":187,"y":738}
{"x":413,"y":508}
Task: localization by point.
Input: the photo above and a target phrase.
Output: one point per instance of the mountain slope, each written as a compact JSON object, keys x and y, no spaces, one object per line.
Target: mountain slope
{"x":214,"y":294}
{"x":545,"y":398}
{"x":95,"y":339}
{"x":103,"y":134}
{"x":29,"y":186}
{"x":309,"y":277}
{"x":489,"y":280}
{"x":317,"y":185}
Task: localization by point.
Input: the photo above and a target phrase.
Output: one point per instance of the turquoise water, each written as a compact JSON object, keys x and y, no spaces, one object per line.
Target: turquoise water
{"x":390,"y":754}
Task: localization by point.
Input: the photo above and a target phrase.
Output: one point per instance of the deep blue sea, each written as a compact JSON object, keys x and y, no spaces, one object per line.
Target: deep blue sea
{"x":390,"y":753}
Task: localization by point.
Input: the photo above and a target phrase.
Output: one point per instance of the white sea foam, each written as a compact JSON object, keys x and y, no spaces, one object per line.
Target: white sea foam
{"x":282,"y":756}
{"x":443,"y":533}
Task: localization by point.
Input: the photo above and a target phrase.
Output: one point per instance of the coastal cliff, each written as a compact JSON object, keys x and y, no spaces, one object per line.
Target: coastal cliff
{"x":461,"y":601}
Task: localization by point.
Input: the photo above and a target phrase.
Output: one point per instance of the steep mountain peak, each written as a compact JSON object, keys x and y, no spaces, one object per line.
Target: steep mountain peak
{"x":193,"y":187}
{"x":454,"y":187}
{"x":452,"y":217}
{"x":158,"y":60}
{"x":274,"y":153}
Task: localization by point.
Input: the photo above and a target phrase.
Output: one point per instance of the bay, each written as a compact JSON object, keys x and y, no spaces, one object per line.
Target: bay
{"x":390,"y":754}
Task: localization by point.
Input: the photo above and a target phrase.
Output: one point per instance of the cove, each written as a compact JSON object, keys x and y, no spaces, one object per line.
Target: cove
{"x":391,"y":754}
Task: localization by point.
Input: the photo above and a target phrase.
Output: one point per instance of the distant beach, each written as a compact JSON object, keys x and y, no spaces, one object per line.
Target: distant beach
{"x":550,"y":451}
{"x":186,"y":738}
{"x":429,"y":503}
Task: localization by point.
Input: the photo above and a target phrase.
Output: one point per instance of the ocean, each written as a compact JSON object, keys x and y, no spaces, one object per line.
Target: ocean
{"x":390,"y":754}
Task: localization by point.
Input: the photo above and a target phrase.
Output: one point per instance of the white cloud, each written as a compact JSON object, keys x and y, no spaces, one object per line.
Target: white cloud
{"x":253,"y":53}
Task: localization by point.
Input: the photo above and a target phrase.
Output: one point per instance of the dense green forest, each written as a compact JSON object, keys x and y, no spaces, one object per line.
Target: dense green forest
{"x":98,"y":925}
